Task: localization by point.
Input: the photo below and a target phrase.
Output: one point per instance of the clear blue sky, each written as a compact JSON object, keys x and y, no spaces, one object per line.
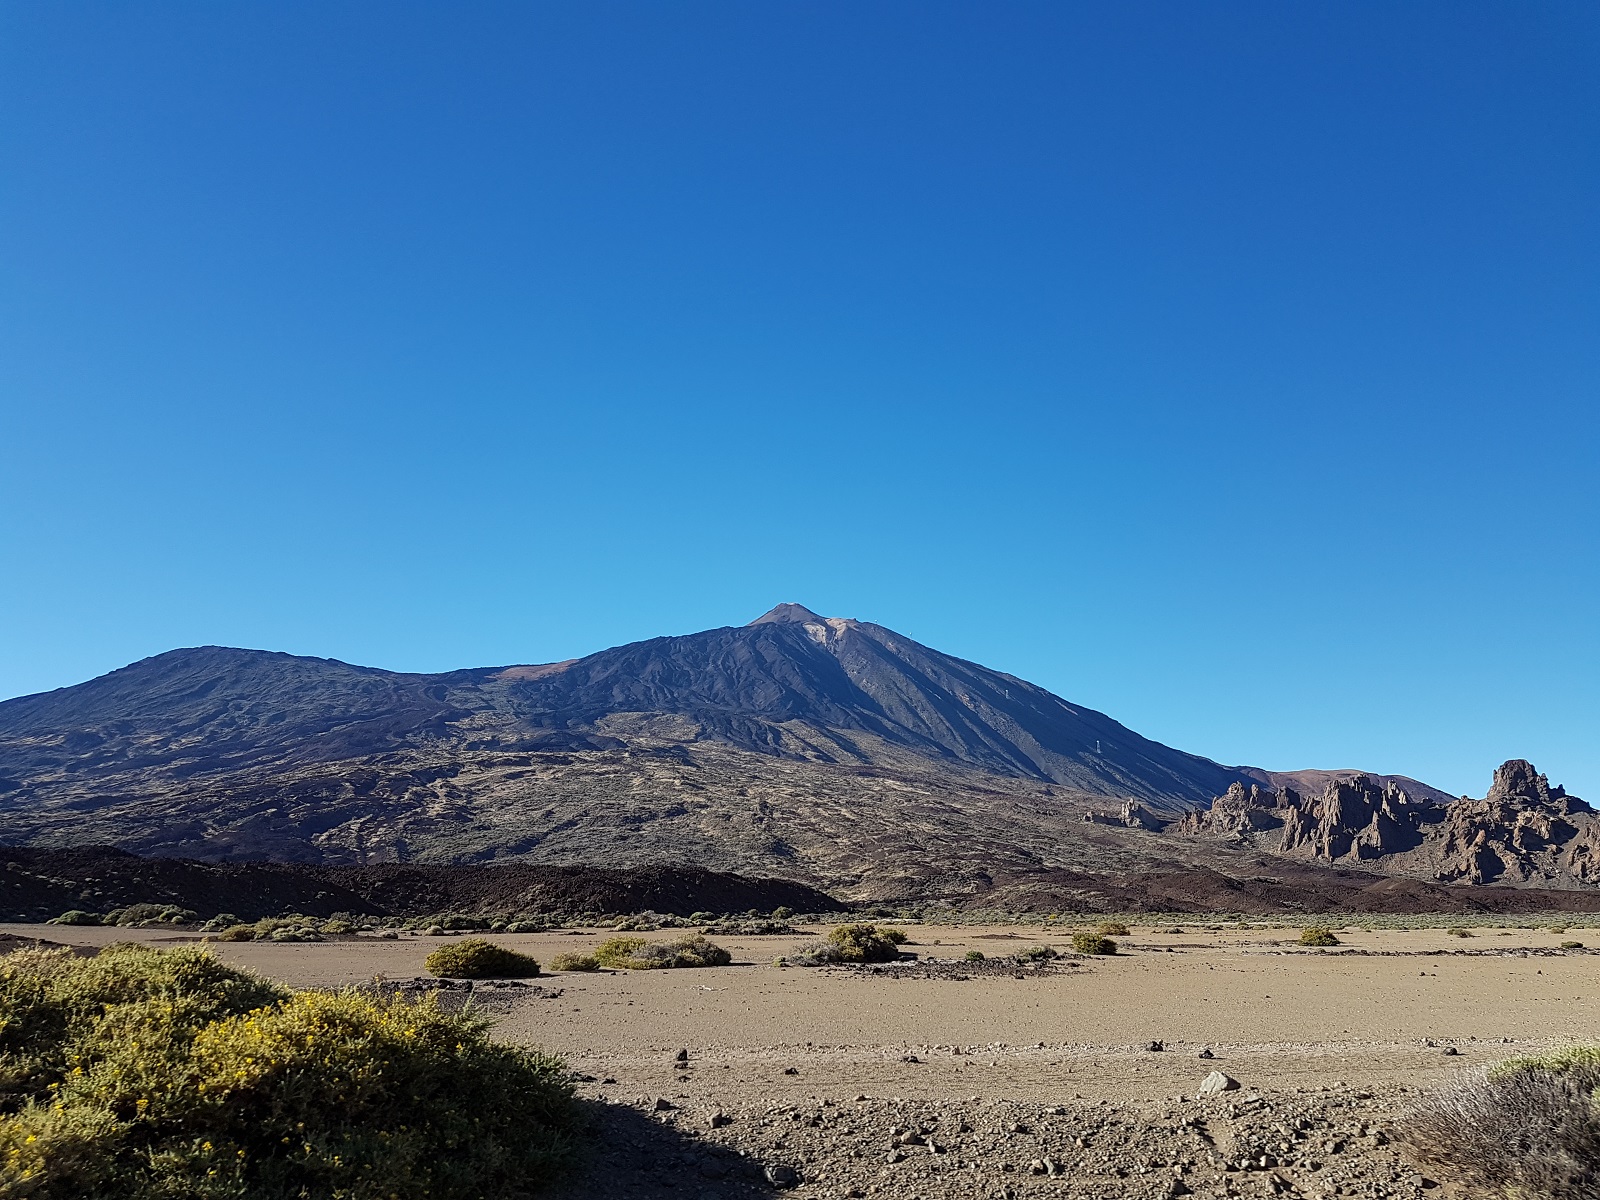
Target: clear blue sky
{"x":1229,"y":367}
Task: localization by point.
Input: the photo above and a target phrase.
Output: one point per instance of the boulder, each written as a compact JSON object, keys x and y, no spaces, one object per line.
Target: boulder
{"x":1216,"y":1083}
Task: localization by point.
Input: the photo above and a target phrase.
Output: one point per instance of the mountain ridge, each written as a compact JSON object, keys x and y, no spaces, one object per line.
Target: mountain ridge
{"x":836,"y":753}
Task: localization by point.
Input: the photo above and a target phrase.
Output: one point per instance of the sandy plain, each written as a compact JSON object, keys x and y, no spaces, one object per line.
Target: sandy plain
{"x":1001,"y":1082}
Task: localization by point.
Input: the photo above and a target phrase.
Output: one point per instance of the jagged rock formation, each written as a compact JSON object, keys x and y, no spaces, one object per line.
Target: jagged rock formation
{"x":1132,"y":815}
{"x":1524,"y":831}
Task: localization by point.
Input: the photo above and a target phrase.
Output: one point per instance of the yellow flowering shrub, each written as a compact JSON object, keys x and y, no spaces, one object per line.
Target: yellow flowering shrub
{"x":203,"y":1096}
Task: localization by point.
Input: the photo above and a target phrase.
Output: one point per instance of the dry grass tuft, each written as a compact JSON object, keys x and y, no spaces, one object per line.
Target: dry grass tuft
{"x":1528,"y":1129}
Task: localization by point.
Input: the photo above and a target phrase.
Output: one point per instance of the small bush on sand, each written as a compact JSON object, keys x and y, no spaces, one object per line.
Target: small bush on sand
{"x":75,"y":916}
{"x":1037,"y":954}
{"x":234,"y":933}
{"x":1572,"y":945}
{"x":1093,"y":943}
{"x":474,"y":958}
{"x":143,"y":916}
{"x":750,"y":928}
{"x":1113,"y":929}
{"x":1457,"y":931}
{"x":140,"y":1073}
{"x":1529,"y":1128}
{"x":1315,"y":935}
{"x":574,"y":962}
{"x":975,"y":956}
{"x":636,"y":954}
{"x":866,"y":943}
{"x":850,"y":944}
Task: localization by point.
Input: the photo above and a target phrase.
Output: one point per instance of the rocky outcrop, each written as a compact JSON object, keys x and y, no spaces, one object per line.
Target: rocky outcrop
{"x":1132,"y":815}
{"x":1523,"y":832}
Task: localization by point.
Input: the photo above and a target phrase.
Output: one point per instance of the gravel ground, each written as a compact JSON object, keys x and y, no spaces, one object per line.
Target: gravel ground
{"x":1325,"y":1143}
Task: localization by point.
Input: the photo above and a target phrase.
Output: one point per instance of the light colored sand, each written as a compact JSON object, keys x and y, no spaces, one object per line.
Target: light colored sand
{"x":1282,"y":1015}
{"x":1329,"y":1037}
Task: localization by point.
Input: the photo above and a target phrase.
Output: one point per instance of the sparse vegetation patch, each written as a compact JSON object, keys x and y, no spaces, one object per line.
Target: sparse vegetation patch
{"x":140,"y":1073}
{"x":574,"y":962}
{"x":1316,"y":935}
{"x":637,"y":954}
{"x":474,"y":958}
{"x":1093,"y":943}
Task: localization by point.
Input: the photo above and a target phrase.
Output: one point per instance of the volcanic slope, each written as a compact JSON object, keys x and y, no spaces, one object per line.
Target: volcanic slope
{"x":829,"y":751}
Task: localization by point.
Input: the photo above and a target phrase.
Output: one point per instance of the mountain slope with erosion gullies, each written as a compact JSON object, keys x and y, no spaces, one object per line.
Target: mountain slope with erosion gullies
{"x":832,"y":752}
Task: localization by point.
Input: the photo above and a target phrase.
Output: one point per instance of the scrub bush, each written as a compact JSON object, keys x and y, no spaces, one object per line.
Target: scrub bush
{"x":143,"y":916}
{"x":636,"y":954}
{"x":75,"y":916}
{"x":866,"y":943}
{"x":850,"y":944}
{"x":474,"y":958}
{"x":574,"y":962}
{"x":1528,"y":1128}
{"x":1113,"y":929}
{"x":1093,"y":943}
{"x":141,"y":1073}
{"x":1317,"y":936}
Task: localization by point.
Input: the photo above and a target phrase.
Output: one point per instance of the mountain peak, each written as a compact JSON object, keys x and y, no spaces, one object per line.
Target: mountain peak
{"x":786,"y":614}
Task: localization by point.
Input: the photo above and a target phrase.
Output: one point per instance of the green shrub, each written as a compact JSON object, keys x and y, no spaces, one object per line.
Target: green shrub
{"x":574,"y":962}
{"x":974,"y":956}
{"x":1572,"y":945}
{"x":865,"y":943}
{"x":1457,"y":931}
{"x":474,"y":958}
{"x":175,"y":1076}
{"x":142,"y":916}
{"x":1315,"y":935}
{"x":1093,"y":943}
{"x":75,"y":916}
{"x":56,"y":1007}
{"x":334,"y":927}
{"x":761,"y":928}
{"x":636,"y":954}
{"x":234,"y":933}
{"x":1037,"y":954}
{"x":1528,"y":1128}
{"x":220,"y":922}
{"x":1113,"y":929}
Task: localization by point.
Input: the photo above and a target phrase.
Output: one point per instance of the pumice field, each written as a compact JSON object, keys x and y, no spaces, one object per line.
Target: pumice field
{"x":1208,"y":1059}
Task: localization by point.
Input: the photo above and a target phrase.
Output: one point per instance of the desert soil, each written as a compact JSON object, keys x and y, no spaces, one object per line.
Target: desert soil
{"x":946,"y":1079}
